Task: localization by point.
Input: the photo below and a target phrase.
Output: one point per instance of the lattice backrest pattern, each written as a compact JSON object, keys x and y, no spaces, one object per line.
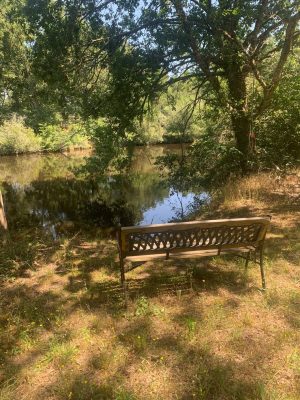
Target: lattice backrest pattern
{"x":206,"y":237}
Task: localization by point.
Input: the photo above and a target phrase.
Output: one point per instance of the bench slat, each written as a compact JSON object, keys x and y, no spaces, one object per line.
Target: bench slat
{"x":186,"y":254}
{"x":191,"y":224}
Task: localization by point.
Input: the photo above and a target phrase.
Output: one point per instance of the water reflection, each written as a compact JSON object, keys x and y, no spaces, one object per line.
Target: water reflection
{"x":42,"y":190}
{"x":177,"y":206}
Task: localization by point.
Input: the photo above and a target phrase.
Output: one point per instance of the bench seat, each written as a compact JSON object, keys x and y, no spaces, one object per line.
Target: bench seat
{"x":186,"y":254}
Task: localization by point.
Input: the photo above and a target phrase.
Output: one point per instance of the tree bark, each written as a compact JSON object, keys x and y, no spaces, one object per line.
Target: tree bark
{"x":241,"y":125}
{"x":240,"y":118}
{"x":3,"y":220}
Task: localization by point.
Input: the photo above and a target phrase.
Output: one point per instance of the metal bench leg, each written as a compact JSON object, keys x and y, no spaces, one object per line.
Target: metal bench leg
{"x":122,"y":272}
{"x":123,"y":281}
{"x":262,"y":272}
{"x":189,"y":275}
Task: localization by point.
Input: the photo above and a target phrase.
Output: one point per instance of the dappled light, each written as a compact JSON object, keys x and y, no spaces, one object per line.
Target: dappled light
{"x":149,"y":200}
{"x":186,"y":329}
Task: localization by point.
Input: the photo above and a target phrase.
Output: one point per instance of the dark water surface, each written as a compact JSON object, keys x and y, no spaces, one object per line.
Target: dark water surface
{"x":42,"y":190}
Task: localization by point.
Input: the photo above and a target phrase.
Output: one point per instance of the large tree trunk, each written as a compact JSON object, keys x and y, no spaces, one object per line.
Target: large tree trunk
{"x":241,"y":125}
{"x":241,"y":122}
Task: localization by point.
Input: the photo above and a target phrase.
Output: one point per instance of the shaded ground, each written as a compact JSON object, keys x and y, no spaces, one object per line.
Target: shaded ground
{"x":66,"y":334}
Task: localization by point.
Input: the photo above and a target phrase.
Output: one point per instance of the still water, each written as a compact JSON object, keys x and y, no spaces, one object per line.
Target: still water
{"x":44,"y":190}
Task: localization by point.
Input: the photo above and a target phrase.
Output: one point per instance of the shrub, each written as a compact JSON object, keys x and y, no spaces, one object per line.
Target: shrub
{"x":57,"y":138}
{"x":278,"y":130}
{"x":16,"y":138}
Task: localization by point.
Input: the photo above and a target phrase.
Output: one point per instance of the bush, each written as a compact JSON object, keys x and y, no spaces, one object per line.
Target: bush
{"x":278,"y":129}
{"x":210,"y":160}
{"x":16,"y":138}
{"x":56,"y":138}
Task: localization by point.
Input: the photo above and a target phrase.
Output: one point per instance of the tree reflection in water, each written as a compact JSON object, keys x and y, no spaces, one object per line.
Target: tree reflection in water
{"x":41,"y":190}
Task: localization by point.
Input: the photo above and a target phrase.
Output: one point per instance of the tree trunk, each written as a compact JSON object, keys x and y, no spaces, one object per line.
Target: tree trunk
{"x":3,"y":220}
{"x":241,"y":122}
{"x":241,"y":125}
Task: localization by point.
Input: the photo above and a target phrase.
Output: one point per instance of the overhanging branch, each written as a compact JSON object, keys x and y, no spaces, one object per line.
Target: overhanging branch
{"x":286,"y":48}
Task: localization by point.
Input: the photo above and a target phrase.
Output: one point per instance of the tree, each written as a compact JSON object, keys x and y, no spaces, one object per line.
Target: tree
{"x":22,"y":88}
{"x":3,"y":220}
{"x":221,"y":44}
{"x":135,"y":49}
{"x":70,"y":51}
{"x":14,"y":54}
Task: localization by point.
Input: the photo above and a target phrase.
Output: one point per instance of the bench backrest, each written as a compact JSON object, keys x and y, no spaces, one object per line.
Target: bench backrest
{"x":194,"y":235}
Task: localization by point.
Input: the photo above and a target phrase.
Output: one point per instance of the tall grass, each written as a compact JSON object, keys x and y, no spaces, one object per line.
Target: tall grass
{"x":254,"y":188}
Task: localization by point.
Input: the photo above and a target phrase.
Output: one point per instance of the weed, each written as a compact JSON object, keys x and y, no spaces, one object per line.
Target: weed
{"x":86,"y":334}
{"x":81,"y":388}
{"x":191,"y":324}
{"x":8,"y":390}
{"x":157,"y":311}
{"x":26,"y":342}
{"x":140,"y":342}
{"x":142,"y":307}
{"x":273,"y":298}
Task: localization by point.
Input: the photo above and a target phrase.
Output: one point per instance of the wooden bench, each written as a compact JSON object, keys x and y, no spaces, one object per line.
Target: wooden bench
{"x":241,"y":236}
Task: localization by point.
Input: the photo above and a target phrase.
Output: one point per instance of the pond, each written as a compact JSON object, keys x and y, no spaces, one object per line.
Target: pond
{"x":44,"y":190}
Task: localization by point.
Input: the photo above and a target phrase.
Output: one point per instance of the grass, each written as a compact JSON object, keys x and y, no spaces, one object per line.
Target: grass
{"x":66,"y":334}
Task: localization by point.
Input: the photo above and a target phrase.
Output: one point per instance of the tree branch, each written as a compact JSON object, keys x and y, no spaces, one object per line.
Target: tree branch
{"x":201,"y":61}
{"x":288,"y":41}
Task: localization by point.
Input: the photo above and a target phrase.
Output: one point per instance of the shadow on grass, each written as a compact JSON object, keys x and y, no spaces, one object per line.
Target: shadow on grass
{"x":207,"y":374}
{"x":193,"y":276}
{"x":217,"y":379}
{"x":26,"y":315}
{"x":21,"y":251}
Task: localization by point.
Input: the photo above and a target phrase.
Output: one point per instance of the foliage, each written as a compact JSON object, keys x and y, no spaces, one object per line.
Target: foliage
{"x":111,"y":150}
{"x":170,"y":72}
{"x":217,"y":45}
{"x":210,"y":160}
{"x":278,"y":131}
{"x":142,"y":307}
{"x":68,"y":36}
{"x":214,"y":162}
{"x":14,"y":54}
{"x":172,"y":118}
{"x":58,"y":138}
{"x":16,"y":138}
